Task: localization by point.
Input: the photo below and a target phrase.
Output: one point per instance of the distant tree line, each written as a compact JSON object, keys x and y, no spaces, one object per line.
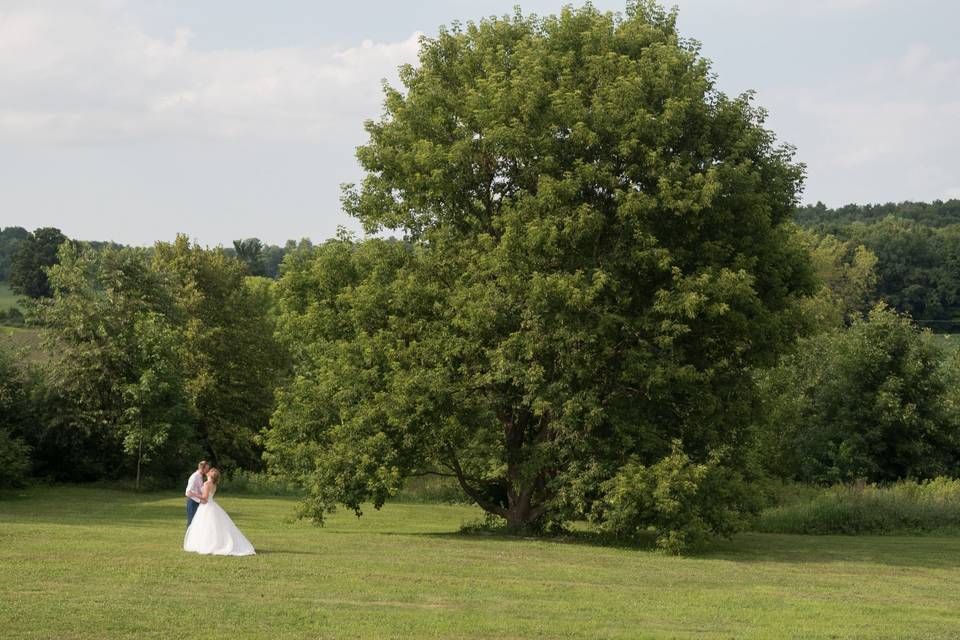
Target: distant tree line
{"x":264,"y":259}
{"x":26,"y":256}
{"x":938,"y":213}
{"x":917,"y":246}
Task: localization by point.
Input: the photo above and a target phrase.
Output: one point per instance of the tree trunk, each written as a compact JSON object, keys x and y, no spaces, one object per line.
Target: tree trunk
{"x":518,"y":515}
{"x":522,"y":490}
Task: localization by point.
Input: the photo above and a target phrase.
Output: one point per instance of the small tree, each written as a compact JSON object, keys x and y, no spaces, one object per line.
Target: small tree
{"x":867,"y":403}
{"x":154,"y":402}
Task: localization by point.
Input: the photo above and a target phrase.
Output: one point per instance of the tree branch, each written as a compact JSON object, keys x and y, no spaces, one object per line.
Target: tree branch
{"x":477,"y":497}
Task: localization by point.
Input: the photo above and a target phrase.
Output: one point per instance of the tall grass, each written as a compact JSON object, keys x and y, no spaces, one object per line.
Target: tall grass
{"x":431,"y":490}
{"x":904,"y":507}
{"x":258,"y":484}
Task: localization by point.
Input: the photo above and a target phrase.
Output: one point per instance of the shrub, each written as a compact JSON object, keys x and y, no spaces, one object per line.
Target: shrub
{"x":14,"y":460}
{"x":682,"y":502}
{"x":872,"y":402}
{"x":904,"y":507}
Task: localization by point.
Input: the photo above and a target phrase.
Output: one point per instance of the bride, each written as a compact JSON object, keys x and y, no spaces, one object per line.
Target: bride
{"x":212,"y":531}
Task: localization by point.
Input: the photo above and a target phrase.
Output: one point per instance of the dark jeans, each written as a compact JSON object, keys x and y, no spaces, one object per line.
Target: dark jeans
{"x":191,"y":510}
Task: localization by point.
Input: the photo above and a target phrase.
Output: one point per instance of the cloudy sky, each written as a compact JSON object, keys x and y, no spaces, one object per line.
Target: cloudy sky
{"x":133,"y":120}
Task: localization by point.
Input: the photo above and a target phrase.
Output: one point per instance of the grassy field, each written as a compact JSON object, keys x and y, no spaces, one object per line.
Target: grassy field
{"x":7,"y":298}
{"x":26,"y":342}
{"x":94,"y":563}
{"x":946,"y":341}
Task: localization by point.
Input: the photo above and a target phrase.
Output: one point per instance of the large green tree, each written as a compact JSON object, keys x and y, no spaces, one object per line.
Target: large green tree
{"x":595,"y":254}
{"x":115,"y":371}
{"x":232,"y":363}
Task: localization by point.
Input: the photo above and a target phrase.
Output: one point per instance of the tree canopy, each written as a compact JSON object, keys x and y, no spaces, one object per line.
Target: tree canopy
{"x":595,"y":253}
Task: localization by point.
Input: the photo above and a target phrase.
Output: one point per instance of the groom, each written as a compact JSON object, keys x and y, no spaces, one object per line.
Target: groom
{"x":195,"y":489}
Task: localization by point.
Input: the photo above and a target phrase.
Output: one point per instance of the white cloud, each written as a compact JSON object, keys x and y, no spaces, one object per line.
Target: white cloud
{"x":891,"y":125}
{"x":809,"y":8}
{"x":93,"y":74}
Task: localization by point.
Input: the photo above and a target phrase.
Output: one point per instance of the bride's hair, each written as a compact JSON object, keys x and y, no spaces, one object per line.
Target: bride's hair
{"x":214,"y":474}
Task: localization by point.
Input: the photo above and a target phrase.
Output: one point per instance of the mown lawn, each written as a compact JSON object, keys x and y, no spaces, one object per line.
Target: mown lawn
{"x":94,"y":563}
{"x":8,"y":299}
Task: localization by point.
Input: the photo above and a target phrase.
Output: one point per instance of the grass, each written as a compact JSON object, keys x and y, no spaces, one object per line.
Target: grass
{"x":25,"y":341}
{"x":77,"y":562}
{"x":903,"y":507}
{"x":949,"y":342}
{"x":8,"y":300}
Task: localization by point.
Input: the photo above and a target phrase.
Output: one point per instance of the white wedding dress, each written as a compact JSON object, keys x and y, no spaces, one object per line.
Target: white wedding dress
{"x":213,"y":532}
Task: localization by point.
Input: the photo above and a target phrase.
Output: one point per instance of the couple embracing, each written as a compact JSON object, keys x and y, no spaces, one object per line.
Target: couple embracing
{"x":209,"y":529}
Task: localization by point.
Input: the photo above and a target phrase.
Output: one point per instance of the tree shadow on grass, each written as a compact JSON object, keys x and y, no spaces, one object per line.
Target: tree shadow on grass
{"x":70,"y":506}
{"x":928,"y":552}
{"x":286,"y":552}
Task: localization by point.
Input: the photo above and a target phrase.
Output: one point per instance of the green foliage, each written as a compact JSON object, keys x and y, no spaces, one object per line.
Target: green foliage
{"x":870,"y":403}
{"x":265,"y":259}
{"x":595,"y":252}
{"x":35,"y":254}
{"x":16,"y":420}
{"x":115,"y":382}
{"x":153,"y":400}
{"x":14,"y":460}
{"x":847,"y":275}
{"x":859,"y":509}
{"x":918,"y":254}
{"x":938,"y":213}
{"x":161,"y":357}
{"x":231,"y":362}
{"x":11,"y":238}
{"x":12,"y":317}
{"x":918,"y":268}
{"x":251,"y":253}
{"x":682,"y":502}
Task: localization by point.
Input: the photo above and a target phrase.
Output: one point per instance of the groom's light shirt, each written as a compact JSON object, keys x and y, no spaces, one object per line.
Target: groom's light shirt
{"x":195,"y":484}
